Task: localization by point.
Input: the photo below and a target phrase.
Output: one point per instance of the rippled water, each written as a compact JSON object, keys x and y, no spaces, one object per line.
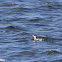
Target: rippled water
{"x":19,"y":19}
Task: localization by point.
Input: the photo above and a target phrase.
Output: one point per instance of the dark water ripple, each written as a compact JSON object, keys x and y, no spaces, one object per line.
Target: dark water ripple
{"x":19,"y":19}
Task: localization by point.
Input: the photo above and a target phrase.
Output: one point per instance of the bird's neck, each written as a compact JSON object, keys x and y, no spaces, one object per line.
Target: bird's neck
{"x":34,"y":37}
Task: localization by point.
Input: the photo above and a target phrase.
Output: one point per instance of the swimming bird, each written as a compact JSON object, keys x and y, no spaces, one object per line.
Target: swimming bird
{"x":37,"y":39}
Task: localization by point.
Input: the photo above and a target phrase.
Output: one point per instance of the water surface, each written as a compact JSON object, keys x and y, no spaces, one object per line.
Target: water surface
{"x":19,"y":19}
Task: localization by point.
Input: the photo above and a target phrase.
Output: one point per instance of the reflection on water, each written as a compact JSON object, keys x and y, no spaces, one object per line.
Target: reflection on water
{"x":20,"y":19}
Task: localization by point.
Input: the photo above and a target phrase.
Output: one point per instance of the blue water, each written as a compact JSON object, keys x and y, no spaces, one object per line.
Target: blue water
{"x":19,"y":19}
